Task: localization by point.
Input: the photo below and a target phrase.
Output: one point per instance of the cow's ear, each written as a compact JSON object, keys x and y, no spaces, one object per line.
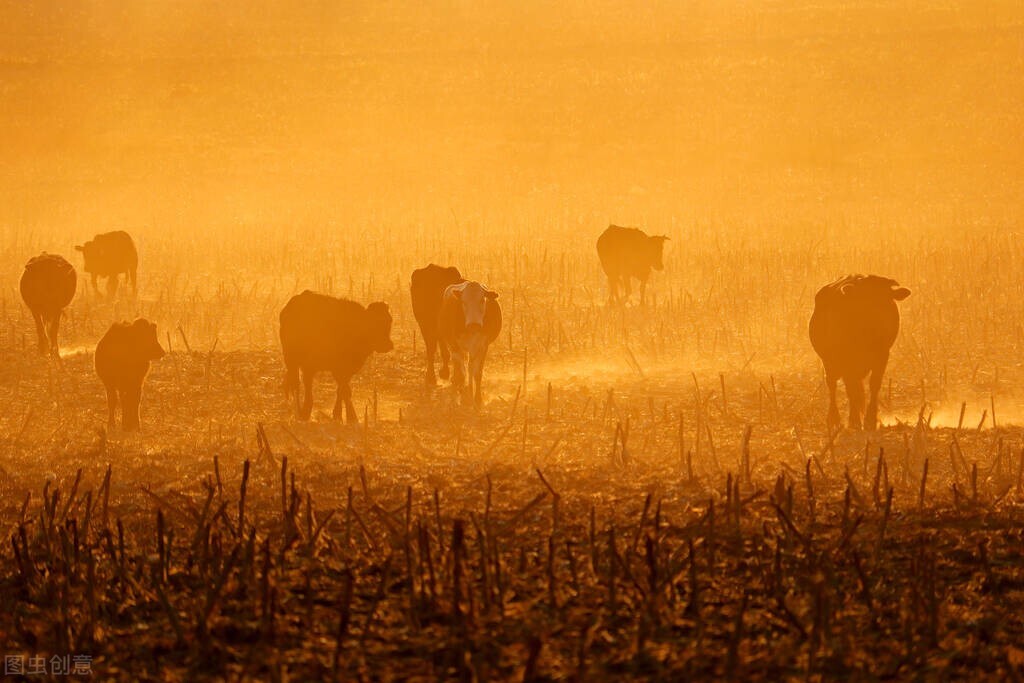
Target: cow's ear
{"x":845,"y":289}
{"x":79,"y":247}
{"x":665,"y":238}
{"x":900,"y":293}
{"x":490,"y":295}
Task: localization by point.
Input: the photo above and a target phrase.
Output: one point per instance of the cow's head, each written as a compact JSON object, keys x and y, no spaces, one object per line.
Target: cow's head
{"x":378,"y":318}
{"x":146,"y":340}
{"x":655,"y":247}
{"x":90,"y":253}
{"x":473,"y":297}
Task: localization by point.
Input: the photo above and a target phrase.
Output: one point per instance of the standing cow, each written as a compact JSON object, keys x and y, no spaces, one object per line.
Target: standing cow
{"x":428,"y":285}
{"x":320,"y":332}
{"x":469,"y":321}
{"x":122,"y":362}
{"x":854,"y":324}
{"x":108,"y":255}
{"x":48,"y":286}
{"x":627,"y":253}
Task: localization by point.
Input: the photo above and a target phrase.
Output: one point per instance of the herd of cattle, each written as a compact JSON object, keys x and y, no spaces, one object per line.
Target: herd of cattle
{"x":852,"y":328}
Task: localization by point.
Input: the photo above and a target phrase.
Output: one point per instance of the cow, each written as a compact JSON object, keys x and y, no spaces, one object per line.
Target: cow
{"x":627,"y":253}
{"x":48,"y":286}
{"x":428,"y":285}
{"x":470,"y":319}
{"x":123,"y":356}
{"x":320,"y":332}
{"x":854,"y":324}
{"x":108,"y":255}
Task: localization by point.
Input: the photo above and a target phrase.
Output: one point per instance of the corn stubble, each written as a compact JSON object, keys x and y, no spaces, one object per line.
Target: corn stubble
{"x":530,"y":572}
{"x":647,"y":492}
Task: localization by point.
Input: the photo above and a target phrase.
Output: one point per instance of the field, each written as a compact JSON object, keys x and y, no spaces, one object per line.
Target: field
{"x":648,"y":492}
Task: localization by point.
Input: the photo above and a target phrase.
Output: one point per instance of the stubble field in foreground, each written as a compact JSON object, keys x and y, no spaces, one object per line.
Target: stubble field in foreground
{"x":582,"y":533}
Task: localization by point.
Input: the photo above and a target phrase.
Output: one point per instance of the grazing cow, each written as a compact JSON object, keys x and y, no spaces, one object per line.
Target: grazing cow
{"x":469,"y":321}
{"x":627,"y":253}
{"x":320,"y":332}
{"x":854,"y":324}
{"x":48,"y":286}
{"x":428,"y":285}
{"x":108,"y":255}
{"x":122,"y":362}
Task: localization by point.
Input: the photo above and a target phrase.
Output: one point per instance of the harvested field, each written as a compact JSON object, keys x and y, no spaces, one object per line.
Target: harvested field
{"x":647,"y":492}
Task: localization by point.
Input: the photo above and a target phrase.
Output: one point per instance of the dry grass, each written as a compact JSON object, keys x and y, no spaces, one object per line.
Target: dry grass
{"x":647,"y":492}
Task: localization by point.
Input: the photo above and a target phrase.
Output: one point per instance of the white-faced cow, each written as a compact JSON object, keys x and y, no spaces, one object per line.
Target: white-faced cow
{"x":469,"y":321}
{"x":48,"y":286}
{"x":854,"y":324}
{"x":320,"y":332}
{"x":627,"y":253}
{"x":428,"y":285}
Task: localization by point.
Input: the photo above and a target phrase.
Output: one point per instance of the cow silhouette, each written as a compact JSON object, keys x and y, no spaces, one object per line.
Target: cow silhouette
{"x":109,"y":255}
{"x":123,"y":356}
{"x":428,"y":285}
{"x":320,"y":332}
{"x":48,"y":286}
{"x":854,"y":324}
{"x":628,"y":253}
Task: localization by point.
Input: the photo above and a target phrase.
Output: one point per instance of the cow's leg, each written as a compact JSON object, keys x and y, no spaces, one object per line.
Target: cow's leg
{"x":458,"y":368}
{"x":613,"y":288}
{"x":628,"y":287}
{"x":133,"y":276}
{"x":111,"y":407}
{"x":831,"y":380}
{"x":44,"y":344}
{"x":855,"y":391}
{"x":430,"y":341}
{"x":643,"y":290}
{"x":874,"y":386}
{"x":95,"y":286}
{"x":53,"y":332}
{"x":307,"y":396}
{"x":476,"y":372}
{"x":345,"y":398}
{"x":339,"y":401}
{"x":292,"y":386}
{"x":112,"y":284}
{"x":445,"y":358}
{"x":130,"y":400}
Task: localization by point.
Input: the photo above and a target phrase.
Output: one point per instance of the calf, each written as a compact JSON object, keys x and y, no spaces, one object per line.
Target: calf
{"x":854,"y":324}
{"x":108,"y":255}
{"x":122,"y":362}
{"x":469,"y":321}
{"x":48,"y":286}
{"x":627,"y":253}
{"x":428,"y":285}
{"x":320,"y":332}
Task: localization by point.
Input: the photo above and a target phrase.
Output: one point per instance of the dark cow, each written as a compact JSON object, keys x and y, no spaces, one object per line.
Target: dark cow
{"x":108,"y":255}
{"x":627,"y":253}
{"x":854,"y":324}
{"x":469,"y":321}
{"x":48,"y":286}
{"x":122,"y":362}
{"x":320,"y":332}
{"x":428,"y":285}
